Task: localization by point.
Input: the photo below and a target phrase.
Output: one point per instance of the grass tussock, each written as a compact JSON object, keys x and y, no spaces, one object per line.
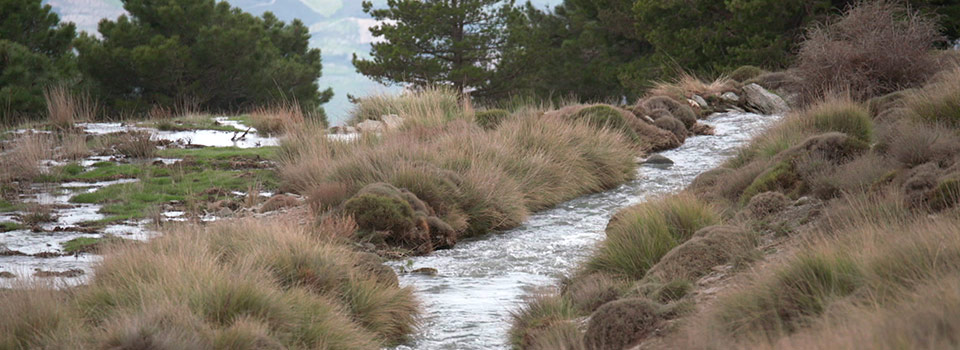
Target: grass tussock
{"x":637,"y":237}
{"x":431,"y":106}
{"x":64,"y":108}
{"x":539,"y":317}
{"x":471,"y":179}
{"x":277,"y":119}
{"x":244,"y":284}
{"x":938,"y":103}
{"x":687,"y":85}
{"x":22,"y":160}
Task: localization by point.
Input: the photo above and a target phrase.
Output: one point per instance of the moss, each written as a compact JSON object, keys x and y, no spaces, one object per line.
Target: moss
{"x":72,"y":169}
{"x":6,"y":226}
{"x":491,"y":118}
{"x":782,"y":176}
{"x":745,"y":73}
{"x":380,"y":213}
{"x":603,"y":116}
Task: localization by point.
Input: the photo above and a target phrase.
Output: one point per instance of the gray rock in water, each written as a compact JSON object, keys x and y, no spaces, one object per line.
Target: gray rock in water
{"x":426,"y":271}
{"x":760,"y":100}
{"x":730,"y":97}
{"x":657,"y":159}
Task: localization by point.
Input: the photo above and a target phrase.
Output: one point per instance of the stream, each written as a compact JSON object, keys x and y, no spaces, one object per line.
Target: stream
{"x":480,"y":281}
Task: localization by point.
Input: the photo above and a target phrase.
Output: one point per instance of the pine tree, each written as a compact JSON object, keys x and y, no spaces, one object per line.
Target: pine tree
{"x":428,"y":42}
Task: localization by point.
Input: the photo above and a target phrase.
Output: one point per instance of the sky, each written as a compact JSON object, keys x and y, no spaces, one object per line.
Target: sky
{"x":337,"y":27}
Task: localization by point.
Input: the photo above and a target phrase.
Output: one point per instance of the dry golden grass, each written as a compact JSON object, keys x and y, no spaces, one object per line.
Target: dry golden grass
{"x":241,"y":284}
{"x":687,"y":85}
{"x":430,"y":107}
{"x":22,"y":160}
{"x":277,"y":119}
{"x":65,"y":108}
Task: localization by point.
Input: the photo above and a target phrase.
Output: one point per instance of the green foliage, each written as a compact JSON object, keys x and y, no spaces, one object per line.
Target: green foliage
{"x":35,"y":51}
{"x":6,"y":226}
{"x":200,"y":54}
{"x":745,"y":73}
{"x":849,"y":118}
{"x":491,"y":118}
{"x":420,"y":49}
{"x":380,"y":213}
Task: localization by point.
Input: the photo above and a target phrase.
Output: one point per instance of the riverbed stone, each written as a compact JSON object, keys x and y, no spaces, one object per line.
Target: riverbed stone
{"x":426,"y":271}
{"x":730,"y":97}
{"x":657,"y":159}
{"x":762,"y":101}
{"x":700,"y":101}
{"x":370,"y":126}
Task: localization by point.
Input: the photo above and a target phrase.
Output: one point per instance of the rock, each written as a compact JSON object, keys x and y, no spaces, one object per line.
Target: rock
{"x":336,"y":130}
{"x":370,"y":126}
{"x":279,"y":201}
{"x":730,"y":97}
{"x":700,"y":101}
{"x":350,"y":130}
{"x":702,"y":129}
{"x":426,"y":271}
{"x":657,"y":159}
{"x":67,"y":273}
{"x":7,"y":274}
{"x":225,"y":212}
{"x":762,"y":101}
{"x":392,"y":121}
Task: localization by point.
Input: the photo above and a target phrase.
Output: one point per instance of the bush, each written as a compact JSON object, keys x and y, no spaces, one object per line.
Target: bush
{"x":745,"y":73}
{"x":639,"y":236}
{"x":590,"y":291}
{"x":381,"y":213}
{"x":875,"y":48}
{"x":490,"y":119}
{"x":618,"y":324}
{"x":680,"y":111}
{"x":694,"y":258}
{"x":784,"y":301}
{"x":536,"y":315}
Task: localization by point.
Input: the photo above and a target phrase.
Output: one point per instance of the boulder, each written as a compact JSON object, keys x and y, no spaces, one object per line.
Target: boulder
{"x":279,"y":201}
{"x":700,"y":101}
{"x":657,"y":159}
{"x":392,"y":121}
{"x":370,"y":126}
{"x":759,"y":100}
{"x":730,"y":97}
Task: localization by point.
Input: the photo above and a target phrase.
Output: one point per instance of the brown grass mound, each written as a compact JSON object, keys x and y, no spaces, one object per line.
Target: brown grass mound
{"x":678,"y":110}
{"x":621,"y":323}
{"x":766,"y":204}
{"x":589,"y":292}
{"x":711,"y":246}
{"x":672,"y":125}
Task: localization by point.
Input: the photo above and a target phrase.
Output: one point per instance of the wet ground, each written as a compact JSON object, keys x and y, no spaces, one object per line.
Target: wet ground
{"x":480,"y":281}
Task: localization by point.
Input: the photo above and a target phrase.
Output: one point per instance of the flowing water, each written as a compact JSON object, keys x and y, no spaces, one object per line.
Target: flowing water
{"x":480,"y":281}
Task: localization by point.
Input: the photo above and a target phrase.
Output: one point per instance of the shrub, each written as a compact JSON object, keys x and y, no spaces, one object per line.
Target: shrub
{"x":694,"y":258}
{"x":765,"y":204}
{"x":490,"y":119}
{"x":680,"y":111}
{"x":603,"y":117}
{"x":640,"y":235}
{"x":745,"y":73}
{"x":875,"y":48}
{"x":937,"y":103}
{"x":784,"y":301}
{"x":618,"y":324}
{"x":843,"y":116}
{"x":380,"y":213}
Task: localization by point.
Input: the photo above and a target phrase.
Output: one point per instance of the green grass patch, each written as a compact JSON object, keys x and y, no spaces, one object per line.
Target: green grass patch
{"x":7,"y":226}
{"x":6,"y":206}
{"x":88,"y":244}
{"x":220,"y":153}
{"x":132,"y":200}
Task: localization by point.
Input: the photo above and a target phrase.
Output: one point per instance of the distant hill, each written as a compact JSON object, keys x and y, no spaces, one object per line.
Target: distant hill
{"x":338,"y":27}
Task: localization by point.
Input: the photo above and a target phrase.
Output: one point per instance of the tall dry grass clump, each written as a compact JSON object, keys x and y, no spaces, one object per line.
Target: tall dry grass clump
{"x":875,"y":48}
{"x":21,"y":161}
{"x":459,"y":176}
{"x":277,"y":119}
{"x":244,"y":284}
{"x":687,"y":85}
{"x":431,"y":106}
{"x":64,"y":108}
